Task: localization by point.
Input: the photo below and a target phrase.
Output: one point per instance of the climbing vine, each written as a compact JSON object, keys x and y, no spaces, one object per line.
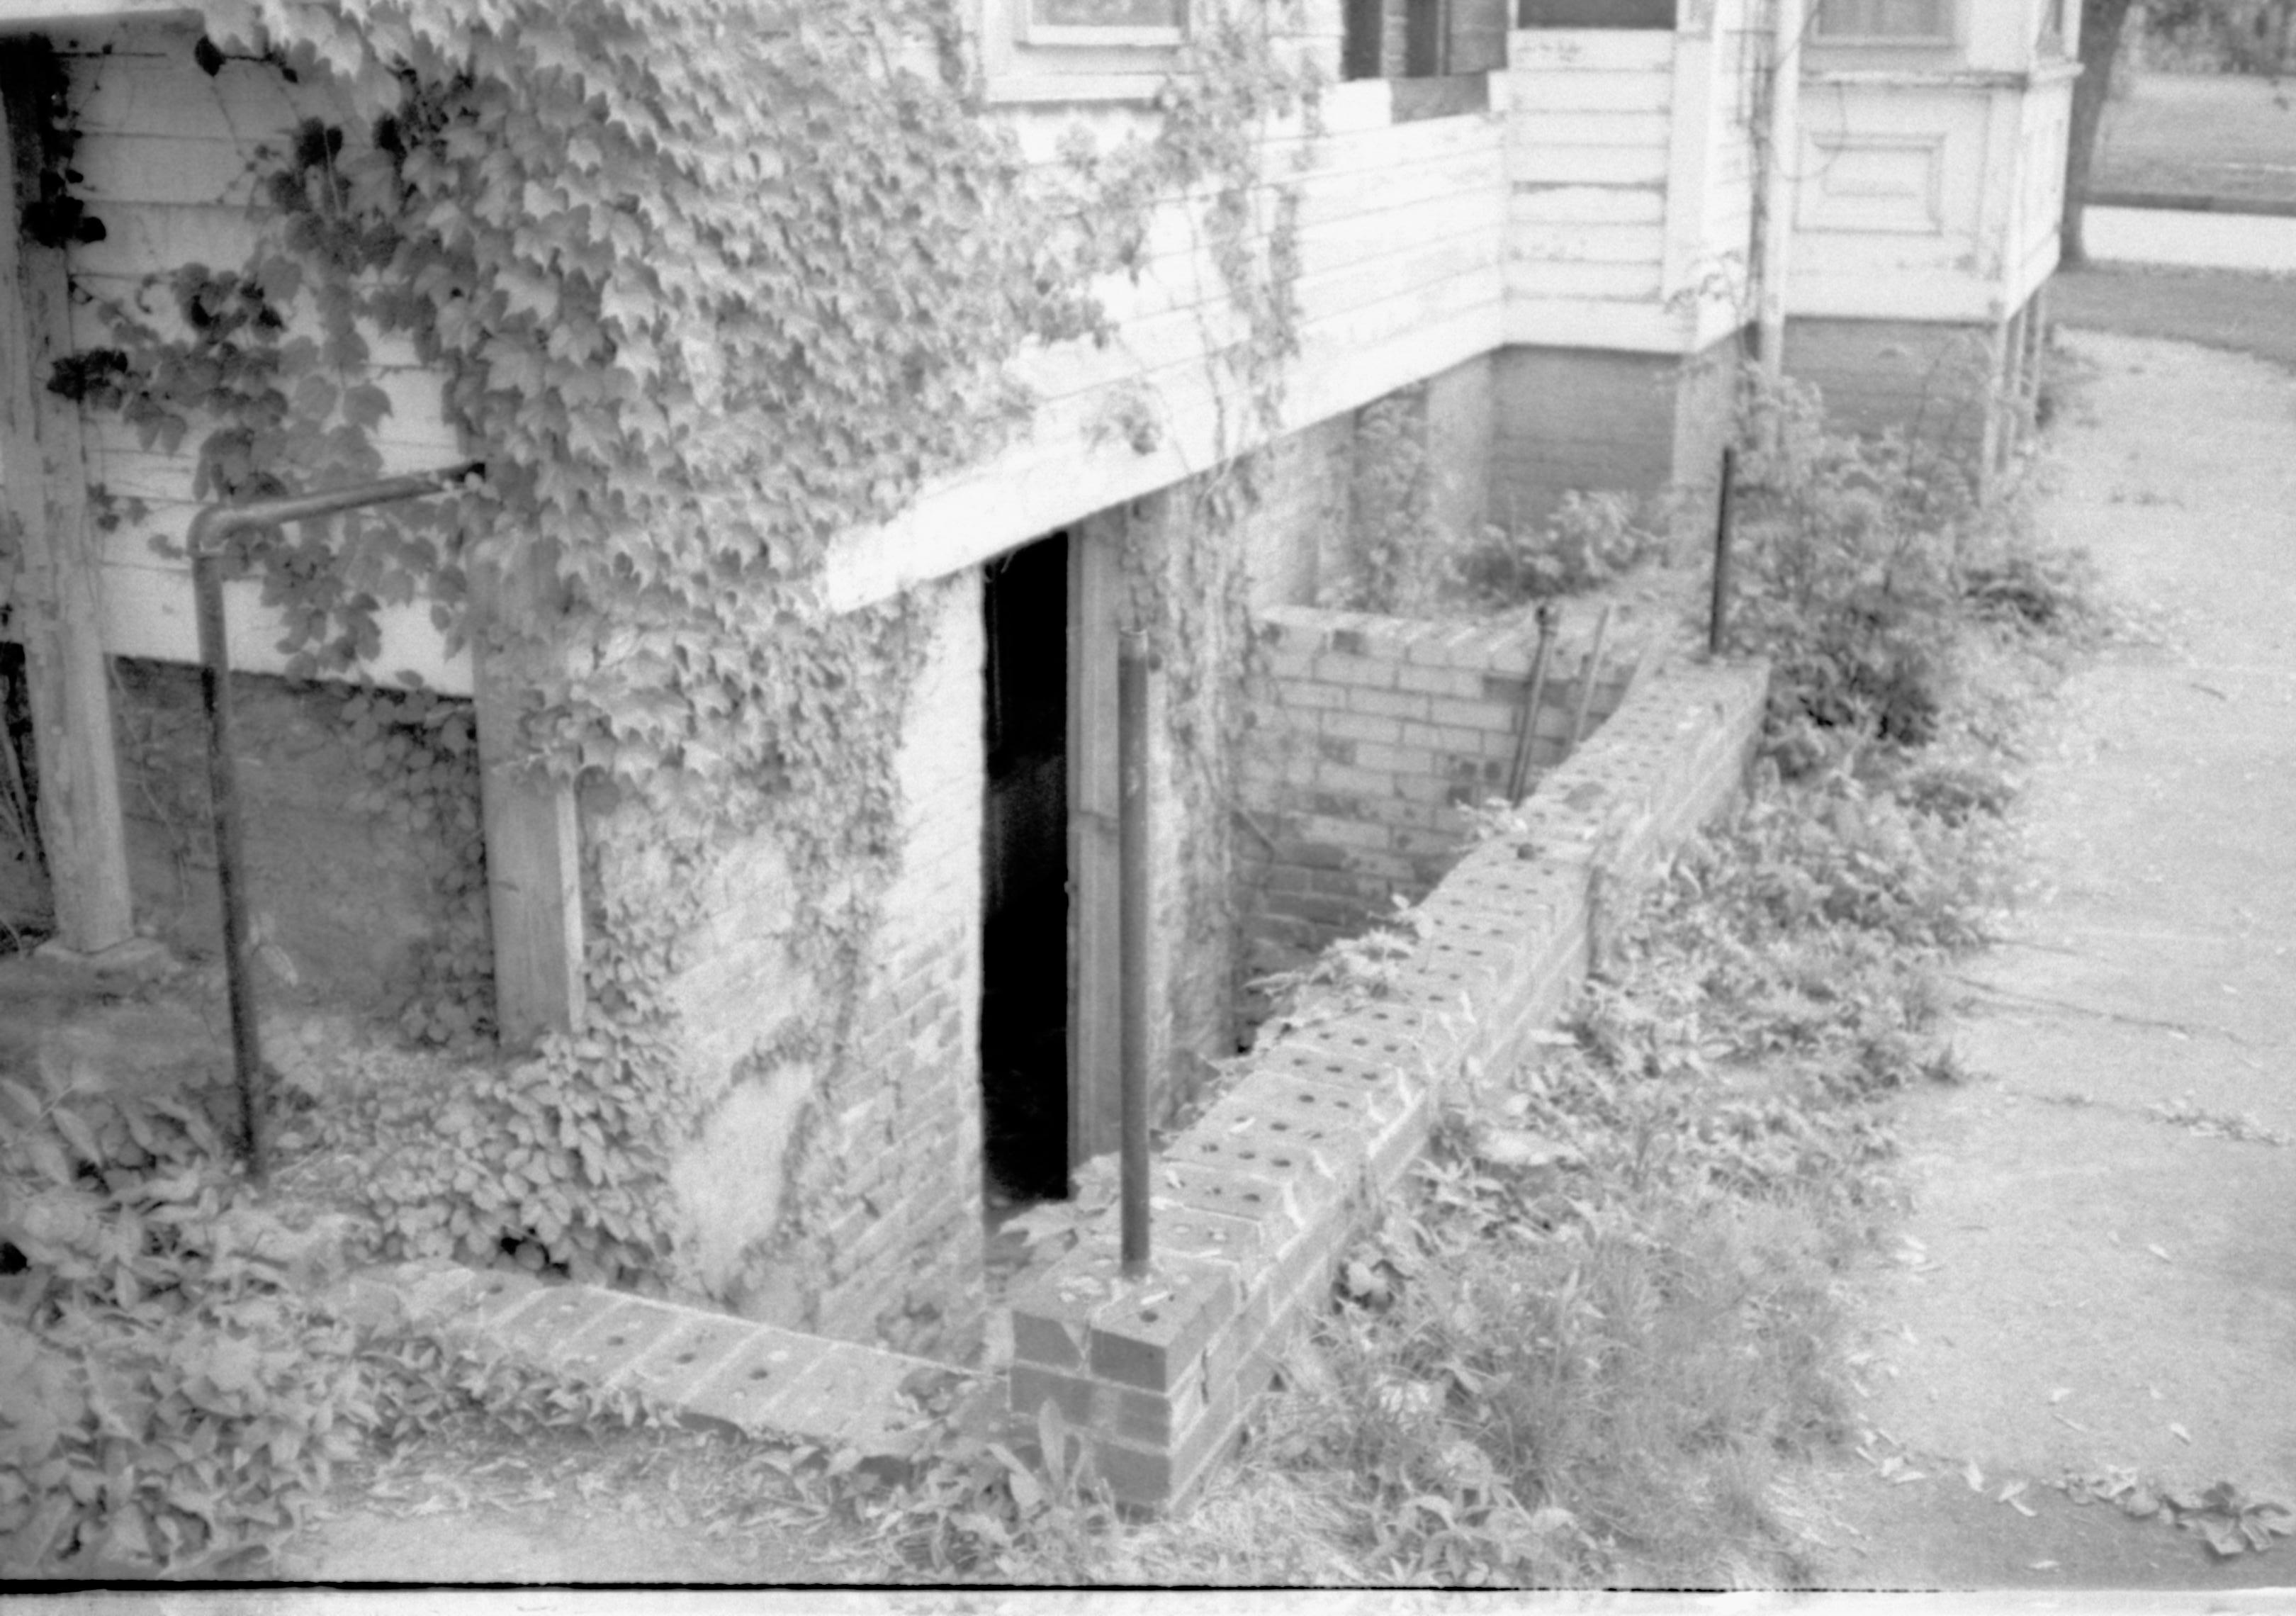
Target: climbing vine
{"x":1236,"y":84}
{"x":710,"y":286}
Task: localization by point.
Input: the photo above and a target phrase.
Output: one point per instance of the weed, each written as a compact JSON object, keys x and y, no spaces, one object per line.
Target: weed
{"x":1611,"y":1305}
{"x":1396,"y":558}
{"x":172,"y":1398}
{"x":1590,"y":540}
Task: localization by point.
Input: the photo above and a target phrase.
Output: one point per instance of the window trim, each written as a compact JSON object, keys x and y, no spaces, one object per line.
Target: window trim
{"x":1024,"y":59}
{"x":1950,"y":37}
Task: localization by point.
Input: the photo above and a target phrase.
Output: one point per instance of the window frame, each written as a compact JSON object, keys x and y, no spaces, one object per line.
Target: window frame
{"x":1950,"y":37}
{"x":1027,"y":32}
{"x":1023,"y":60}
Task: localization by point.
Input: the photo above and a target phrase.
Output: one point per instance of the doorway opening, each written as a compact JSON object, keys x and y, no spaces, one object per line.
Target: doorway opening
{"x":1025,"y":942}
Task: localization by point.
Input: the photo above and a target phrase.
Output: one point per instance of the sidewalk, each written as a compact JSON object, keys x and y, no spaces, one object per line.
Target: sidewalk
{"x":2100,"y":1270}
{"x":2189,"y":239}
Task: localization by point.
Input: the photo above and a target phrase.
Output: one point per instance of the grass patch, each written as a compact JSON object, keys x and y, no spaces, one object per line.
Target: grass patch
{"x":2249,"y":314}
{"x":2199,"y":134}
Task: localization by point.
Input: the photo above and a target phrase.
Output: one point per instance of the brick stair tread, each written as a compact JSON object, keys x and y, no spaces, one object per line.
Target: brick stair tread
{"x":701,"y":1365}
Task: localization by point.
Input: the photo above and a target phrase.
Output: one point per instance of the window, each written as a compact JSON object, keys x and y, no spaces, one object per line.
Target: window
{"x":1891,"y":21}
{"x":1103,"y":22}
{"x":1079,"y":50}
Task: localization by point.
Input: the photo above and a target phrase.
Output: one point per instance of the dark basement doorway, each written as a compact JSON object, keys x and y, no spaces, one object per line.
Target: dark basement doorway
{"x":1025,"y":974}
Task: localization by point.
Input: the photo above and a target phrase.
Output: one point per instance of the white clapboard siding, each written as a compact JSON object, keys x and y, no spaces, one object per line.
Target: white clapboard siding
{"x":1631,"y":283}
{"x":1945,"y":202}
{"x":1730,"y":138}
{"x":1069,"y":465}
{"x":1589,"y":160}
{"x":1336,"y":210}
{"x":1589,"y":50}
{"x":1539,"y":321}
{"x":2046,"y":111}
{"x":1531,"y":207}
{"x":1555,"y":165}
{"x":165,"y":156}
{"x":1592,"y":243}
{"x":1579,"y":90}
{"x":1383,"y":266}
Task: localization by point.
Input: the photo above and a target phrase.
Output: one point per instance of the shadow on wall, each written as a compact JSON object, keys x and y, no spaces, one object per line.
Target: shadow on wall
{"x":367,"y":858}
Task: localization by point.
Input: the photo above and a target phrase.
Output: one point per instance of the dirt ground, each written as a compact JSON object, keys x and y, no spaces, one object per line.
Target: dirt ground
{"x":2099,"y":1278}
{"x":2199,"y":134}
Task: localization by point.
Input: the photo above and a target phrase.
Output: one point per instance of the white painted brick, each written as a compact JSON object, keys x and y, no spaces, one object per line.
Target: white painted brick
{"x":1392,"y":703}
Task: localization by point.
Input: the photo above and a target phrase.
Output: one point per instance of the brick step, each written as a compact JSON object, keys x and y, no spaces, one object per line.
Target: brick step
{"x":706,"y":1367}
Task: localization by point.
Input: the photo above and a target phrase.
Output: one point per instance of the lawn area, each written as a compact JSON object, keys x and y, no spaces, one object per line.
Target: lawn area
{"x":2199,"y":134}
{"x":2254,"y":313}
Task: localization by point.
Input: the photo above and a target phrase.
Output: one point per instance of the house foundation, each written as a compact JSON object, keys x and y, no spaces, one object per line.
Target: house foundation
{"x":1590,"y":418}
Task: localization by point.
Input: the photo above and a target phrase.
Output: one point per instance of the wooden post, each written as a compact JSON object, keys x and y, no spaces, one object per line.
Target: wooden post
{"x":1782,"y":154}
{"x":58,"y":604}
{"x":534,"y":860}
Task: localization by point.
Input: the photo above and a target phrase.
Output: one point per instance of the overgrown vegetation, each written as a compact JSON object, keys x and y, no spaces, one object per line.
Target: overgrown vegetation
{"x":173,"y":1397}
{"x":1589,"y":539}
{"x":1398,"y":559}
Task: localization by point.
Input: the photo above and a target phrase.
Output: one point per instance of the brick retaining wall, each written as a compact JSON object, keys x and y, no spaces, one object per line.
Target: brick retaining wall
{"x":1374,"y":735}
{"x":1254,"y":1201}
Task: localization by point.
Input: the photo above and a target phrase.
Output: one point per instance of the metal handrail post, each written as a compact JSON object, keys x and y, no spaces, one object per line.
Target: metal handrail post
{"x":211,"y":529}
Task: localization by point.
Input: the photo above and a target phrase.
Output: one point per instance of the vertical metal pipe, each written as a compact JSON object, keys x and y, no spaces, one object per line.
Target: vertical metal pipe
{"x":213,"y":527}
{"x":1587,"y":672}
{"x":1525,"y":737}
{"x":1717,"y":617}
{"x":1132,"y":664}
{"x":231,"y":861}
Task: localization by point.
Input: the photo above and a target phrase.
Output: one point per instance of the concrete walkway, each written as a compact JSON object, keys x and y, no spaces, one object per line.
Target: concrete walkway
{"x":2100,"y":1271}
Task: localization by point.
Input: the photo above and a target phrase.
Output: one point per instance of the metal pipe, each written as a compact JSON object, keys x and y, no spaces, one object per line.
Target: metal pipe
{"x":1133,"y":663}
{"x":1717,"y":616}
{"x":213,"y":527}
{"x":1519,"y":767}
{"x":1587,"y":680}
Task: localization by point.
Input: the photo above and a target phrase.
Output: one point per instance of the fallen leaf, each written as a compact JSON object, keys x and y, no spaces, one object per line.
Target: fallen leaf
{"x":2044,"y":1565}
{"x":2024,"y":1508}
{"x":2060,"y":1394}
{"x":2010,"y":1491}
{"x":2158,"y":1252}
{"x":2180,"y":1433}
{"x":2224,"y":1537}
{"x":1973,"y":1476}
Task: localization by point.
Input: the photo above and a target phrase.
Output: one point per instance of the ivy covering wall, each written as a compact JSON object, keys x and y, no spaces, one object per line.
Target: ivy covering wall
{"x":710,"y":283}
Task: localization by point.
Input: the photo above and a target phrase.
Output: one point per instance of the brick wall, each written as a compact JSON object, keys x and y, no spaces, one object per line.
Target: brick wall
{"x":1256,"y":1200}
{"x":1568,"y":419}
{"x":1373,"y":737}
{"x":1458,"y":403}
{"x":1933,"y":379}
{"x":1291,"y":540}
{"x":844,"y":1196}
